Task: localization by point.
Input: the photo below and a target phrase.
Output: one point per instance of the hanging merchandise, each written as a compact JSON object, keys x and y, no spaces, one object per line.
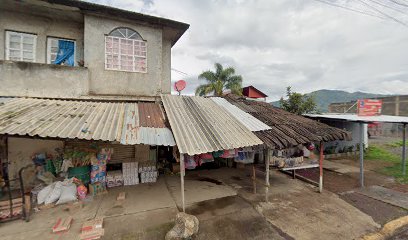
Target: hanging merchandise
{"x":245,"y":155}
{"x":205,"y":158}
{"x":98,"y":169}
{"x":218,"y":154}
{"x":189,"y":162}
{"x":232,"y":153}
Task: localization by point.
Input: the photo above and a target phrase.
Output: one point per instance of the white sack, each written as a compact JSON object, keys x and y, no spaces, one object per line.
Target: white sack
{"x":54,"y":194}
{"x":43,"y":194}
{"x":68,"y":193}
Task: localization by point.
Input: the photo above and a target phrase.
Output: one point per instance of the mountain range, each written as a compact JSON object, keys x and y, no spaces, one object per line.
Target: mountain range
{"x":324,"y":97}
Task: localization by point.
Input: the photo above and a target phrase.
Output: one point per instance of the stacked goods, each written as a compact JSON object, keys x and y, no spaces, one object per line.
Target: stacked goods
{"x":62,"y":225}
{"x":130,"y":173}
{"x":92,"y":229}
{"x":148,"y":172}
{"x":114,"y":179}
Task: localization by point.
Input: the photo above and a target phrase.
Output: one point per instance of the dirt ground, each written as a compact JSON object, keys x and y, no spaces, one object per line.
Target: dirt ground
{"x":288,"y":209}
{"x":345,"y":184}
{"x":401,"y":234}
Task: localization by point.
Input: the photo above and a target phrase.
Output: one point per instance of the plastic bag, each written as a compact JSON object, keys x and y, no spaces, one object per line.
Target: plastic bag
{"x":43,"y":194}
{"x":68,"y":193}
{"x":54,"y":194}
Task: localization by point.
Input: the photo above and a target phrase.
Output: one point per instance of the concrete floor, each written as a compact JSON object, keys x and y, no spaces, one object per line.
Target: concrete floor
{"x":225,"y":202}
{"x":156,"y":203}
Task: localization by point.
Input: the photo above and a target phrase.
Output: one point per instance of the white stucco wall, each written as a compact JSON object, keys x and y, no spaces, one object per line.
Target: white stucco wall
{"x":119,"y":82}
{"x":352,"y":127}
{"x":26,"y":79}
{"x":20,"y":151}
{"x":25,"y":20}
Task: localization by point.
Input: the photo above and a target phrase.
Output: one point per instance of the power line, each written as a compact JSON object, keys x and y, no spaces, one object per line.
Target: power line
{"x":178,"y":71}
{"x":399,"y":3}
{"x":351,"y":9}
{"x":383,"y":13}
{"x":387,"y":6}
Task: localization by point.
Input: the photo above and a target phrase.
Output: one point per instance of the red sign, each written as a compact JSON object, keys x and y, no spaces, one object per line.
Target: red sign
{"x":369,"y":107}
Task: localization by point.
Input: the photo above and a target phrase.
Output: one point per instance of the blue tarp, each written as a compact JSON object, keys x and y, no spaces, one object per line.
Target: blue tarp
{"x":65,"y":54}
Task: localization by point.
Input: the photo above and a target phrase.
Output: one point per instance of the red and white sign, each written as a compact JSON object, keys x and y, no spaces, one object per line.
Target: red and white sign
{"x":369,"y":107}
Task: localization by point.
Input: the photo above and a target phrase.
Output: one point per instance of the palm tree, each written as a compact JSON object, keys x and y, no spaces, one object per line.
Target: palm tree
{"x":219,"y":81}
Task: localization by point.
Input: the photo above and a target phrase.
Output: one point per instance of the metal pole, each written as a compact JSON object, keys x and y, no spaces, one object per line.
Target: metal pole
{"x":362,"y":154}
{"x":267,"y":167}
{"x":182,"y":172}
{"x":321,"y":156}
{"x":404,"y":150}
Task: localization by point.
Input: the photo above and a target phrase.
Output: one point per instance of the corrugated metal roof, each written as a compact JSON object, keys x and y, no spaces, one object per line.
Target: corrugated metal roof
{"x":366,"y":119}
{"x":105,"y":121}
{"x":152,"y":115}
{"x":200,"y":125}
{"x":246,"y":119}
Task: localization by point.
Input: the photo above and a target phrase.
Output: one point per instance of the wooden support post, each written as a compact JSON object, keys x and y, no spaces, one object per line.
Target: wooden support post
{"x":321,"y":156}
{"x":404,"y":150}
{"x":253,"y":172}
{"x":267,"y":160}
{"x":182,"y":172}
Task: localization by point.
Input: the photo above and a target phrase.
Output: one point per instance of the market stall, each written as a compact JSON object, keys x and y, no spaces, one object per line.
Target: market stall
{"x":82,"y":148}
{"x":288,"y":133}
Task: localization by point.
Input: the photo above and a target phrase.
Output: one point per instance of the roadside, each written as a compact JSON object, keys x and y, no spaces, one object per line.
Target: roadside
{"x":227,"y":203}
{"x":296,"y":208}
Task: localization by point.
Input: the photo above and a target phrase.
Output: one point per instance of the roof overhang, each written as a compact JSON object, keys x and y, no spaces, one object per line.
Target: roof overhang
{"x":200,"y":126}
{"x":364,"y":119}
{"x":179,"y":28}
{"x":127,"y":123}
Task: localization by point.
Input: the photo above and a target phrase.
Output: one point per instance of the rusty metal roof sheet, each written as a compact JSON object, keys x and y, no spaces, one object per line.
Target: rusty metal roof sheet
{"x":151,"y":115}
{"x":200,"y":125}
{"x":104,"y":121}
{"x":246,"y":119}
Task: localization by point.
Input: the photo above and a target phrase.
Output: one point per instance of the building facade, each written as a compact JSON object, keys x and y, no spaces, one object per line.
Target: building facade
{"x":393,"y":105}
{"x":72,"y":49}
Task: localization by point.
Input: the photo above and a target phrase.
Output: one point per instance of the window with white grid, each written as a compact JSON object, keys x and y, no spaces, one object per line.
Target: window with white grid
{"x":20,"y":46}
{"x":125,"y":50}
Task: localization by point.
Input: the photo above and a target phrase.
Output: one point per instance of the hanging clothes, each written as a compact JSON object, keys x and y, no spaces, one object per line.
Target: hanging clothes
{"x":189,"y":162}
{"x":66,"y":50}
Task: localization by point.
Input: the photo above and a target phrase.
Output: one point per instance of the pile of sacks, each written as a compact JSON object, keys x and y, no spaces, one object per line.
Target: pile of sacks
{"x":59,"y":192}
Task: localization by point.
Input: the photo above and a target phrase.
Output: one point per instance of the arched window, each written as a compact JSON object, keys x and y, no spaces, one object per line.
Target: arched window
{"x":125,"y":50}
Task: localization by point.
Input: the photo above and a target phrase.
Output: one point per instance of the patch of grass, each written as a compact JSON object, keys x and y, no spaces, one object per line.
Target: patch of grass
{"x":380,"y":153}
{"x":396,"y":171}
{"x":397,"y":144}
{"x":375,"y":152}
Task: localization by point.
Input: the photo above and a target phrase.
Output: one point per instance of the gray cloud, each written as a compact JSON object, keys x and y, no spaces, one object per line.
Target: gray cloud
{"x":273,"y":44}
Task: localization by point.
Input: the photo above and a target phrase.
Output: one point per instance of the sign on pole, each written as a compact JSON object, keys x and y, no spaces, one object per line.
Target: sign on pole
{"x":369,"y":107}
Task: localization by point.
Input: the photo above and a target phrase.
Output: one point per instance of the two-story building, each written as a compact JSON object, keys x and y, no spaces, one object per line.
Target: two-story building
{"x":111,"y":64}
{"x":72,"y":49}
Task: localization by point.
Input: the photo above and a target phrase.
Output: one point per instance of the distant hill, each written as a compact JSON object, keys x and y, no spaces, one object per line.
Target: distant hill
{"x":324,"y":97}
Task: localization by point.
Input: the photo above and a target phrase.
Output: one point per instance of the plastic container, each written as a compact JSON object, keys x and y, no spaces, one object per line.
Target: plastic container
{"x":82,"y":173}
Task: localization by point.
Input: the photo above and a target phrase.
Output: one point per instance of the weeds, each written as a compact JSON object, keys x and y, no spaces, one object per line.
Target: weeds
{"x":380,"y":153}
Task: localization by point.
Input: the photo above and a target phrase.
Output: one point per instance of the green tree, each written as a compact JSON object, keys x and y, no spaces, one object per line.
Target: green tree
{"x":298,"y":103}
{"x":220,"y":80}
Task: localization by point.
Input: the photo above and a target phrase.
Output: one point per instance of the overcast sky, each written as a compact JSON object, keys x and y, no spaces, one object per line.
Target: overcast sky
{"x":306,"y":44}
